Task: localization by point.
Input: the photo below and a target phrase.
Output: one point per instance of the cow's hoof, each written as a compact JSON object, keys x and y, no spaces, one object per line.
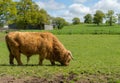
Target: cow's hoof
{"x":40,"y":64}
{"x":53,"y":64}
{"x":20,"y":64}
{"x":12,"y":64}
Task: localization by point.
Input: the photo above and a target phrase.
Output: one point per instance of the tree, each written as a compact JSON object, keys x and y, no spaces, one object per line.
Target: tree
{"x":76,"y":20}
{"x":98,"y":17}
{"x":28,"y":13}
{"x":40,"y":18}
{"x":111,"y":18}
{"x":118,"y":18}
{"x":88,"y":18}
{"x":114,"y":20}
{"x":7,"y":11}
{"x":59,"y":22}
{"x":24,"y":13}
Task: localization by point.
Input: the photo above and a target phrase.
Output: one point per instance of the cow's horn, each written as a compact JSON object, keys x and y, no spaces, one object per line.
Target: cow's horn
{"x":70,"y":54}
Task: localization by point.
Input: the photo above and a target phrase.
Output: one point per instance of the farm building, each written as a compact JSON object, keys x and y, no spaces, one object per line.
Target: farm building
{"x":48,"y":27}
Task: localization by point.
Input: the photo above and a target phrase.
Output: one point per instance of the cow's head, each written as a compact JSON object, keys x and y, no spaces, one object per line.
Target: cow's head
{"x":67,"y":58}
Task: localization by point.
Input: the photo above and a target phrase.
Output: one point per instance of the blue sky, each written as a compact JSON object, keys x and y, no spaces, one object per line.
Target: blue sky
{"x":69,"y":9}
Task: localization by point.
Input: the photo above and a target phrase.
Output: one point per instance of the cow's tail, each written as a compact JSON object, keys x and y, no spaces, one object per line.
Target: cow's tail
{"x":7,"y":40}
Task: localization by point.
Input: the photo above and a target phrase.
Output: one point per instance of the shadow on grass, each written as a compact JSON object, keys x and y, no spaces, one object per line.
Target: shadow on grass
{"x":30,"y":65}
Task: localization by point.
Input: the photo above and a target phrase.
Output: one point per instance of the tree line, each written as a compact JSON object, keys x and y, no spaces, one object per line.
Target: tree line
{"x":98,"y":18}
{"x":26,"y":13}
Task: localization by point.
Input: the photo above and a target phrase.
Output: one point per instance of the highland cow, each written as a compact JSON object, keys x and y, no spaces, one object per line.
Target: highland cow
{"x":30,"y":43}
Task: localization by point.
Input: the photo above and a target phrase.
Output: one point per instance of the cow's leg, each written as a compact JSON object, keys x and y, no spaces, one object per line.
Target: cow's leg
{"x":40,"y":60}
{"x":18,"y":57}
{"x":28,"y":58}
{"x":11,"y":57}
{"x":62,"y":63}
{"x":52,"y":62}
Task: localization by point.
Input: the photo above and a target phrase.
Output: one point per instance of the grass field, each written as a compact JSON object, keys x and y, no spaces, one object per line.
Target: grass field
{"x":96,"y":59}
{"x":88,"y":29}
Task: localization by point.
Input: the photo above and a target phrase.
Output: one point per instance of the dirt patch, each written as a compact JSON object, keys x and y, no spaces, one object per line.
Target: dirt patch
{"x":71,"y":77}
{"x":10,"y":79}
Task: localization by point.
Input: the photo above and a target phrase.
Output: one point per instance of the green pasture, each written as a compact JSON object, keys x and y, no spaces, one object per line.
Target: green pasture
{"x":85,"y":29}
{"x":97,"y":55}
{"x":93,"y":54}
{"x":88,"y":29}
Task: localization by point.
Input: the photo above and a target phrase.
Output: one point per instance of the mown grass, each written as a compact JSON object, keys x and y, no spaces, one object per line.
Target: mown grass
{"x":93,"y":55}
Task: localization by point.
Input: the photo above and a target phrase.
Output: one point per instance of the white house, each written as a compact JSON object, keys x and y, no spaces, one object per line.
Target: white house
{"x":48,"y":27}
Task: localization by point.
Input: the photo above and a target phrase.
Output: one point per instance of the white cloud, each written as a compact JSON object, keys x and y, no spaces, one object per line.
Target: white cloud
{"x":106,"y":5}
{"x":78,"y":9}
{"x":80,"y":1}
{"x":118,"y":1}
{"x":51,"y":5}
{"x":56,"y":9}
{"x":75,"y":10}
{"x":41,"y":4}
{"x":68,"y":15}
{"x":16,"y":0}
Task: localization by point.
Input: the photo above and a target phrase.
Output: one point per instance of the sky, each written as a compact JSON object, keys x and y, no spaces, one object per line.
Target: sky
{"x":68,"y":9}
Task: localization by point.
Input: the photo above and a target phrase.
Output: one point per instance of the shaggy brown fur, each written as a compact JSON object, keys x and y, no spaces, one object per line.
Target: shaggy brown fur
{"x":43,"y":43}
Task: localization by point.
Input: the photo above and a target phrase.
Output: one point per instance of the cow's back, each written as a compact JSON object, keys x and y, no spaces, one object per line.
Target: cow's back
{"x":30,"y":42}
